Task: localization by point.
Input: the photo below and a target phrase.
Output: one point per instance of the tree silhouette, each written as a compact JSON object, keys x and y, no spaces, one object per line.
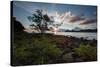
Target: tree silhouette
{"x":40,"y":21}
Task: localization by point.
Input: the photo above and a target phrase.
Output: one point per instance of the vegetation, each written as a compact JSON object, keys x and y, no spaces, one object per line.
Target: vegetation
{"x":37,"y":51}
{"x":43,"y":49}
{"x":40,"y":21}
{"x":87,"y":51}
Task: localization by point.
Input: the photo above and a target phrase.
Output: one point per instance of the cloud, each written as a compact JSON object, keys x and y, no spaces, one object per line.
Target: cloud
{"x":82,"y":20}
{"x":75,"y":18}
{"x":88,"y":21}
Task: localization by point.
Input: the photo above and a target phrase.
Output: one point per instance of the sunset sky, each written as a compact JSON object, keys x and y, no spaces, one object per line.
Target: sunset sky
{"x":80,"y":16}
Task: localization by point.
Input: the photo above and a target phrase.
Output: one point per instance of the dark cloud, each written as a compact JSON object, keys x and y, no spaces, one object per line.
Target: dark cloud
{"x":76,"y":18}
{"x":88,"y":21}
{"x":82,"y":19}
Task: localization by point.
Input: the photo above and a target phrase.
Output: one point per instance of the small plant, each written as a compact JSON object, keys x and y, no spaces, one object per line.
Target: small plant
{"x":87,"y":51}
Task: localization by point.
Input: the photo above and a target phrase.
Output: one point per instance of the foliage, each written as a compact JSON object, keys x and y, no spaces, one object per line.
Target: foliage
{"x":87,"y":51}
{"x":37,"y":51}
{"x":40,"y":21}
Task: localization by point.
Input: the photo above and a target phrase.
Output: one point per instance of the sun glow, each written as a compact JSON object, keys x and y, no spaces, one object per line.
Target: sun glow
{"x":55,"y":30}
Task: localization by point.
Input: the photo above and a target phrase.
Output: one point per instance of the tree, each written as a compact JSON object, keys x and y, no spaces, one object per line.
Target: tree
{"x":40,"y":21}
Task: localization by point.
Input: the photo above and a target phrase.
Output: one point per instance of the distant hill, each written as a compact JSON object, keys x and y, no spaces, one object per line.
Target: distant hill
{"x":82,"y":30}
{"x":16,"y":25}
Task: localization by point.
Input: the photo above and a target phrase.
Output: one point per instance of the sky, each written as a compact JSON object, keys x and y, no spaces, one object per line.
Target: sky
{"x":76,"y":16}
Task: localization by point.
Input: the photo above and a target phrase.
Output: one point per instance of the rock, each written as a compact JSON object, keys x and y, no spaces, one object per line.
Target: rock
{"x":67,"y":50}
{"x":68,"y":57}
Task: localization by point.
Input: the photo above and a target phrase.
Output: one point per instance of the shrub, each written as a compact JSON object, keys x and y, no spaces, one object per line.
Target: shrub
{"x":87,"y":51}
{"x":46,"y":51}
{"x":38,"y":51}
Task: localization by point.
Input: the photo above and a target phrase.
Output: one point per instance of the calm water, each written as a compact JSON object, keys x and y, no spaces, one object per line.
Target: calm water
{"x":87,"y":35}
